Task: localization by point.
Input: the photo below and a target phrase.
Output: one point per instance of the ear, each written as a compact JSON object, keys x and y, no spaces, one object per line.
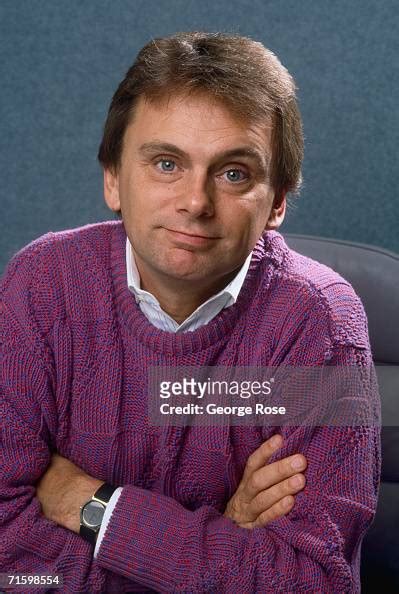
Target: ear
{"x":111,"y":189}
{"x":277,"y":213}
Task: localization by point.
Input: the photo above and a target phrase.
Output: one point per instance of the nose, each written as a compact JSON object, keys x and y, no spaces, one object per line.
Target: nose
{"x":196,"y":198}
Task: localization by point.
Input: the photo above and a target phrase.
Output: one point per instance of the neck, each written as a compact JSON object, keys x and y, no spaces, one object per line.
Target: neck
{"x":180,"y":299}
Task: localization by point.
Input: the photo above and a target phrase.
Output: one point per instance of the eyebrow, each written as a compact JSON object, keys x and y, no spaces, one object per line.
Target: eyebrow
{"x":262,"y":161}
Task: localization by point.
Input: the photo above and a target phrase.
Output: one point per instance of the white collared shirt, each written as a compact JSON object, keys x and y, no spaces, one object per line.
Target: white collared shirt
{"x":150,"y":307}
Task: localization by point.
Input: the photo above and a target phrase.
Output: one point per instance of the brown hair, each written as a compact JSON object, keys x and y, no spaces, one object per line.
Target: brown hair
{"x":247,"y":77}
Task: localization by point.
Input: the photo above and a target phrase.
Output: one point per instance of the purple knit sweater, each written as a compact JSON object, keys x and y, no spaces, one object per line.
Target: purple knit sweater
{"x":75,"y":349}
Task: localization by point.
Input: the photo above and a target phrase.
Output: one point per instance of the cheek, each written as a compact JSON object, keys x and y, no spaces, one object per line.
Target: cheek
{"x":135,"y":197}
{"x":263,"y":208}
{"x":250,"y":220}
{"x":246,"y":216}
{"x":144,"y":211}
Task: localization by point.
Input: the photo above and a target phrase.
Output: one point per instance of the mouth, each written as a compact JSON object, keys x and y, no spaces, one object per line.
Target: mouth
{"x":190,"y":238}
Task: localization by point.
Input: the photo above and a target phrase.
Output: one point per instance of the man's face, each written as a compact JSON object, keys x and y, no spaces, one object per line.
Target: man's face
{"x":193,"y":188}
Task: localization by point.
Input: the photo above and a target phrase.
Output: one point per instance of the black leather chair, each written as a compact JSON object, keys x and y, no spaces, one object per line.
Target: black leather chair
{"x":374,"y":274}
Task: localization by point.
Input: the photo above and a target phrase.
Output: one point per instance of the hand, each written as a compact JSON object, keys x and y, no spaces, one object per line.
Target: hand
{"x":63,"y":489}
{"x":265,"y":493}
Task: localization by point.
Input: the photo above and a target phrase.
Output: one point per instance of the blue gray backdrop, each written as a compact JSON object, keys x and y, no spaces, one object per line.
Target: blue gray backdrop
{"x":62,"y":60}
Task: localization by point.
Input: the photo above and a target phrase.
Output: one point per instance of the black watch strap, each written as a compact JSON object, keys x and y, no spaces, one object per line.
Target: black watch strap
{"x":103,"y":494}
{"x":88,"y":534}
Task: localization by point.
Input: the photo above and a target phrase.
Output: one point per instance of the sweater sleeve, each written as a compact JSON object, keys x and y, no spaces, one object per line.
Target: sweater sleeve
{"x":155,"y":541}
{"x":29,"y":542}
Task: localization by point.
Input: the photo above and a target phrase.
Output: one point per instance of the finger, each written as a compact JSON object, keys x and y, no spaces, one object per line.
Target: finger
{"x":278,"y":510}
{"x":266,"y":499}
{"x":272,"y":474}
{"x":262,"y":455}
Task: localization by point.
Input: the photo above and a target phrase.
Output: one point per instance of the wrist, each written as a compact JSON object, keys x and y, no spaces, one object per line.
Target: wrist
{"x":86,"y":486}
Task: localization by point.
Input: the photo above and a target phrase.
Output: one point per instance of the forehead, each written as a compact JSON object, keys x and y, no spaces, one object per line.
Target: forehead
{"x":197,"y":122}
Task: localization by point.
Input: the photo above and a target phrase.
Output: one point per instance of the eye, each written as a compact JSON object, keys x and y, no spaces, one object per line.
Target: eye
{"x":235,"y":175}
{"x":166,"y":165}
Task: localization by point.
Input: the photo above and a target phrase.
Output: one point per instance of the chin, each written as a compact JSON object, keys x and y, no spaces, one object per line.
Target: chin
{"x":188,"y":274}
{"x":187,"y":265}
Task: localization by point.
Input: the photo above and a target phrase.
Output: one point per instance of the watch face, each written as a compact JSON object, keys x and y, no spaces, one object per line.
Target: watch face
{"x":93,"y":513}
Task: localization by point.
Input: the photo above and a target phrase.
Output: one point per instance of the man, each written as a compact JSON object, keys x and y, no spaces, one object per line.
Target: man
{"x":202,"y":143}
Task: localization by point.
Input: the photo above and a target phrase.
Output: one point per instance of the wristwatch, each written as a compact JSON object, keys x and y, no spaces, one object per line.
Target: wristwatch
{"x":92,"y":513}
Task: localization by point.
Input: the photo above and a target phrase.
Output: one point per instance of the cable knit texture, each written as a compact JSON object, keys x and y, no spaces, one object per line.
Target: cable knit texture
{"x":75,"y":349}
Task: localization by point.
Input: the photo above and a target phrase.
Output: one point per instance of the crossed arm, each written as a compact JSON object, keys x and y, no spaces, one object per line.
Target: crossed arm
{"x":265,"y":492}
{"x":154,"y":541}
